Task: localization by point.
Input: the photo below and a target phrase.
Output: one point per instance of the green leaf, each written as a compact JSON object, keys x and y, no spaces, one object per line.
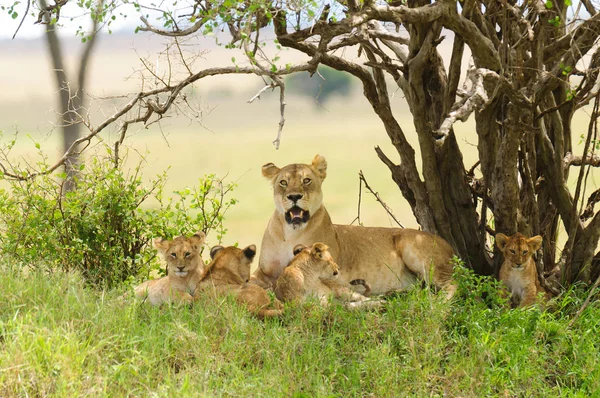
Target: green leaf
{"x":549,"y":4}
{"x":14,"y":15}
{"x":233,"y":59}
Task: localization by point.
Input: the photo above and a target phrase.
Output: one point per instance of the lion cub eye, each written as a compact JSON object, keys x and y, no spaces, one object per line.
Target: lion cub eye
{"x":306,"y":181}
{"x":283,"y":183}
{"x":187,"y":254}
{"x":174,"y":255}
{"x":512,"y":251}
{"x":525,"y":251}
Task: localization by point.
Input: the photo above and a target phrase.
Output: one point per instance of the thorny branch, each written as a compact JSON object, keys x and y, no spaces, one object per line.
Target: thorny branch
{"x":361,"y":177}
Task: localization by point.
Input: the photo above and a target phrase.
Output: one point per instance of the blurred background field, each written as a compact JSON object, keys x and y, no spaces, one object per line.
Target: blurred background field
{"x":230,"y":138}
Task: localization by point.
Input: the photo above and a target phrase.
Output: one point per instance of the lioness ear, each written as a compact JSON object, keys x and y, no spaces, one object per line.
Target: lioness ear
{"x":501,"y":241}
{"x":270,"y":171}
{"x":319,"y":165}
{"x":198,"y":239}
{"x":215,"y":250}
{"x":318,"y":249}
{"x":535,"y":243}
{"x":250,"y":252}
{"x":160,"y":244}
{"x":298,"y":248}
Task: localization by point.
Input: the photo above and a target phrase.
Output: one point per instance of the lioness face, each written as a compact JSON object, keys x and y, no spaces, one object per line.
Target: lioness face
{"x":234,"y":259}
{"x":297,"y":189}
{"x":518,"y":249}
{"x":182,"y":254}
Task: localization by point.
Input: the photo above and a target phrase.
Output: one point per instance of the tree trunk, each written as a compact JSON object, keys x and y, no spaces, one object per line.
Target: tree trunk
{"x":71,"y":96}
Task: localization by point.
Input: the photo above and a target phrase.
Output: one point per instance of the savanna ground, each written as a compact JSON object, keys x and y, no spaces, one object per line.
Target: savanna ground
{"x":61,"y":337}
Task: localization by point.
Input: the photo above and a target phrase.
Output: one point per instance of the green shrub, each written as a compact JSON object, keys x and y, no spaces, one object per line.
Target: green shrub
{"x":102,"y":228}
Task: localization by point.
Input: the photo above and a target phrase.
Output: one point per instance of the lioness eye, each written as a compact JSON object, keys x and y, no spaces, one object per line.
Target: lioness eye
{"x":512,"y":251}
{"x":525,"y":251}
{"x":174,"y":255}
{"x":283,"y":183}
{"x":306,"y":181}
{"x":187,"y":254}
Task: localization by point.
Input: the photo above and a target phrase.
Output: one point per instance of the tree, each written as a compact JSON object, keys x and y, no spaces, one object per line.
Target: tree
{"x":535,"y":65}
{"x":71,"y":92}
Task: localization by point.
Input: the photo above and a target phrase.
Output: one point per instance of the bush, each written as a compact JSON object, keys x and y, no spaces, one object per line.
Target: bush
{"x":102,"y":228}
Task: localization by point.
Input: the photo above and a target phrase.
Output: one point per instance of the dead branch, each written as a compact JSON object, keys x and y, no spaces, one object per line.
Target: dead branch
{"x":262,"y":90}
{"x":586,"y":302}
{"x":361,"y":176}
{"x":360,"y":184}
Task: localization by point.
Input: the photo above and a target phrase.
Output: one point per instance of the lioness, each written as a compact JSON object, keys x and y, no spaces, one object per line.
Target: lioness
{"x":389,"y":258}
{"x":518,"y":271}
{"x":185,"y":268}
{"x":313,"y":273}
{"x":228,"y":272}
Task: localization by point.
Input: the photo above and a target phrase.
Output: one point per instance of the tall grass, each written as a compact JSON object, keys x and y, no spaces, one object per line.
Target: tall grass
{"x":59,"y":338}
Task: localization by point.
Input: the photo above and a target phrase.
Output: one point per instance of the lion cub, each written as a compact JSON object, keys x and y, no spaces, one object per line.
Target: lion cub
{"x":313,"y":273}
{"x":229,"y":272}
{"x":185,"y":268}
{"x":518,"y":271}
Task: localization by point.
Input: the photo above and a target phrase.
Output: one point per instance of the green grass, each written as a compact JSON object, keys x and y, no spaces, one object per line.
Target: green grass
{"x":59,"y":338}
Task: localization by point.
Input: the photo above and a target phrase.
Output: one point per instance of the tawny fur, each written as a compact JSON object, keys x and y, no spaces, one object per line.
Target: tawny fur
{"x":313,"y":273}
{"x":518,"y":271}
{"x":389,"y":258}
{"x":185,"y":268}
{"x":228,"y":273}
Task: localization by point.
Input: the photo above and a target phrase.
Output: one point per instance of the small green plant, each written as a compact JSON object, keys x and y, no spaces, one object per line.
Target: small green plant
{"x":103,"y":227}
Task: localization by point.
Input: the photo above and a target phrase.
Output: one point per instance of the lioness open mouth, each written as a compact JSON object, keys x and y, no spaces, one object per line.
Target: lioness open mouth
{"x":297,"y":216}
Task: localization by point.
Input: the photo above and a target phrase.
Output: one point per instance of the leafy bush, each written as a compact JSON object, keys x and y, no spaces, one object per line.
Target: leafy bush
{"x":103,"y":227}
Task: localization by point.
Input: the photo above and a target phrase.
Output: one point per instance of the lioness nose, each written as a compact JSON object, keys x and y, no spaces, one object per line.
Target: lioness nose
{"x":335,"y":273}
{"x":181,"y":268}
{"x":295,"y":197}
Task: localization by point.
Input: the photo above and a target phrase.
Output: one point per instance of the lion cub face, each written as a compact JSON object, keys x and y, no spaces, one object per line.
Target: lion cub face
{"x":316,"y":260}
{"x":182,"y":254}
{"x":518,"y":249}
{"x":235,"y":261}
{"x":297,"y":189}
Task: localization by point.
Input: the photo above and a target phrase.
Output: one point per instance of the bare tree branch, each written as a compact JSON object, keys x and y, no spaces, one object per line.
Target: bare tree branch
{"x":362,"y":178}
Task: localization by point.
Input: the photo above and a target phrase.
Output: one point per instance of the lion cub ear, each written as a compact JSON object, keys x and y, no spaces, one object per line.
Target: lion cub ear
{"x":160,"y":244}
{"x":198,"y":239}
{"x":318,"y":249}
{"x":319,"y":165}
{"x":270,"y":171}
{"x":215,"y":250}
{"x":535,"y":243}
{"x":250,"y":252}
{"x":501,"y":241}
{"x":298,"y":248}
